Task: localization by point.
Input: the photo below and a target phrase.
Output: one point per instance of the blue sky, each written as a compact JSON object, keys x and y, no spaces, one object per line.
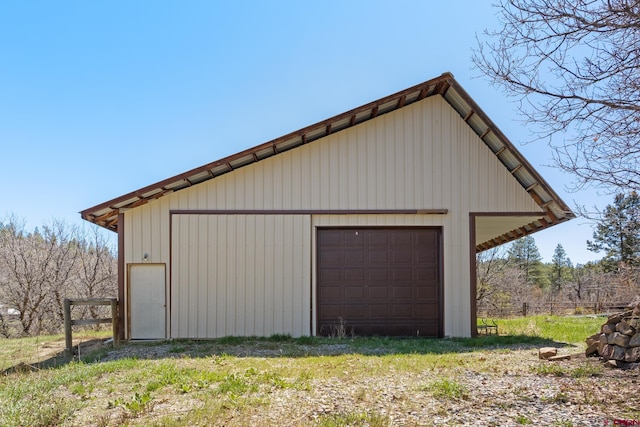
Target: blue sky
{"x":100,"y":98}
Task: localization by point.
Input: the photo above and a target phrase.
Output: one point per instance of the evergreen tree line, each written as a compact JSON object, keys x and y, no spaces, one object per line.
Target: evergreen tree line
{"x":508,"y":277}
{"x":39,"y":269}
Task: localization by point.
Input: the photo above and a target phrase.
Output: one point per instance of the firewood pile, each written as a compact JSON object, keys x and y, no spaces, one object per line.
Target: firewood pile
{"x":618,"y":342}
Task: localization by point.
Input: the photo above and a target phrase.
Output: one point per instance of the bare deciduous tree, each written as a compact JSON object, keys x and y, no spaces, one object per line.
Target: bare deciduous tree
{"x":574,"y":65}
{"x":24,"y":260}
{"x":39,"y":269}
{"x":490,"y":266}
{"x":501,"y":284}
{"x":97,"y":269}
{"x":60,"y":241}
{"x":4,"y":326}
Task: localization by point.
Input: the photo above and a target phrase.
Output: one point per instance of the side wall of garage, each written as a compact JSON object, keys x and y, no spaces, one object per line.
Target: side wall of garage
{"x":240,"y":275}
{"x":422,"y":157}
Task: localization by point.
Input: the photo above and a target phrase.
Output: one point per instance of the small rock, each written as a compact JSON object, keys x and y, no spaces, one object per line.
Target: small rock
{"x":607,"y":351}
{"x":615,"y":318}
{"x":611,"y":364}
{"x":618,"y":353}
{"x":608,"y":328}
{"x":635,"y":340}
{"x":632,"y":355}
{"x":629,"y":366}
{"x":602,"y":343}
{"x":547,"y":352}
{"x":593,"y":338}
{"x":624,"y":328}
{"x":618,"y":339}
{"x":592,"y":349}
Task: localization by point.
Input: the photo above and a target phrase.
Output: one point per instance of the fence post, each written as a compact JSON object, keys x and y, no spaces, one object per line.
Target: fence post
{"x":114,"y":322}
{"x":68,"y":322}
{"x":524,"y":309}
{"x":68,"y":351}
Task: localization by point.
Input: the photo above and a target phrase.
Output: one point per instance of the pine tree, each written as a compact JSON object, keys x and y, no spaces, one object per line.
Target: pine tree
{"x":617,"y":232}
{"x":560,"y":268}
{"x":526,"y":256}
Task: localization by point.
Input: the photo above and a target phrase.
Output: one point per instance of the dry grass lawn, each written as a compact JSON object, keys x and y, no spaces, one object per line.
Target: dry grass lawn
{"x":319,"y":382}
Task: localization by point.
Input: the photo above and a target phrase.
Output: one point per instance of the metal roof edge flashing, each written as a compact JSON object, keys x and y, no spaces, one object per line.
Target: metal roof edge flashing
{"x":444,"y":85}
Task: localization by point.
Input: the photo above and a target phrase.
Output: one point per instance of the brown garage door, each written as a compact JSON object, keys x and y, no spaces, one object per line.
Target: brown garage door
{"x":380,"y":281}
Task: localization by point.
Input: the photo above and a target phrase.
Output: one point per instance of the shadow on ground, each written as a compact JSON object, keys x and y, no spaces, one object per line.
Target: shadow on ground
{"x":56,"y":357}
{"x":98,"y":350}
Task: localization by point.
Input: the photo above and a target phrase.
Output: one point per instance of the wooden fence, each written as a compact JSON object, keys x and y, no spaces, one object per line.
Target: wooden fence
{"x":69,"y":322}
{"x":550,"y":307}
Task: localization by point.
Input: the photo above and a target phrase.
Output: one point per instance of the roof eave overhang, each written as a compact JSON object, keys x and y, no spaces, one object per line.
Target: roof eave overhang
{"x":513,"y":226}
{"x":554,"y":209}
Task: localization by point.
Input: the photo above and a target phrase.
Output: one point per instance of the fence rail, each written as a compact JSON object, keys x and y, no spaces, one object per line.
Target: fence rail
{"x":555,"y":307}
{"x":69,"y":322}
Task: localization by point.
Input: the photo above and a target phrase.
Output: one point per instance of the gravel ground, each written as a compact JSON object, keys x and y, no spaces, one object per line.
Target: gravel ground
{"x":491,"y":399}
{"x":513,"y":391}
{"x":498,"y":400}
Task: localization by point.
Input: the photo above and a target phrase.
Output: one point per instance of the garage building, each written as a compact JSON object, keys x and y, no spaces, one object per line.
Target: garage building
{"x":366,"y":223}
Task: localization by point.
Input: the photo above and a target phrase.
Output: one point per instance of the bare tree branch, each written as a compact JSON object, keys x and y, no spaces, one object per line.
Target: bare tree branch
{"x":573,"y":66}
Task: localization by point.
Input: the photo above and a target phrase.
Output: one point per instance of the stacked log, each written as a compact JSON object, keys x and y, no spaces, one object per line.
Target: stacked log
{"x":618,"y":341}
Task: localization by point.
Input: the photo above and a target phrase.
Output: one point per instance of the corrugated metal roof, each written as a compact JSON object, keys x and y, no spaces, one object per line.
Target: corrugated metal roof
{"x":106,"y":214}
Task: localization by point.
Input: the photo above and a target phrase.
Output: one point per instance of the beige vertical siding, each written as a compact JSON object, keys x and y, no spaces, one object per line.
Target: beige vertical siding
{"x":240,"y":275}
{"x":419,"y":157}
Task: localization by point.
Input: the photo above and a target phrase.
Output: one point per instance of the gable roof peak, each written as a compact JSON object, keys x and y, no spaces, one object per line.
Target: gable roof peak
{"x":106,"y":214}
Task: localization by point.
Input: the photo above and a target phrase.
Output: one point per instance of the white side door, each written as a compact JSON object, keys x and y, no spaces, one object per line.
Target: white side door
{"x":147,"y":301}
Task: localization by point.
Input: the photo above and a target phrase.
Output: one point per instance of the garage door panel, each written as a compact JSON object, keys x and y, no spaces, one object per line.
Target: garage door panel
{"x":377,"y":311}
{"x":402,"y":293}
{"x":427,"y":240}
{"x":402,"y":311}
{"x":352,"y":293}
{"x":355,"y":311}
{"x":377,"y":275}
{"x":402,"y":275}
{"x":331,"y":275}
{"x":331,"y":238}
{"x":376,"y":239}
{"x":354,"y":275}
{"x":352,"y":240}
{"x":427,"y":329}
{"x":427,"y":293}
{"x":429,"y":274}
{"x":332,"y":294}
{"x":354,"y":257}
{"x":395,"y":289}
{"x":402,"y":256}
{"x":428,"y":257}
{"x":378,"y":292}
{"x":401,"y":240}
{"x":426,"y":311}
{"x":378,"y":257}
{"x":402,"y":329}
{"x":332,"y":257}
{"x":331,"y":311}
